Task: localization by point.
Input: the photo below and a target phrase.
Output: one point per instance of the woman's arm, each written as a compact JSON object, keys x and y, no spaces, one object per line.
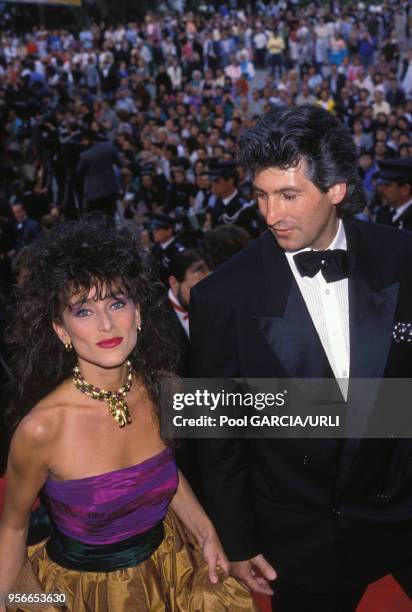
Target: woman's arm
{"x":195,"y":519}
{"x":26,"y":473}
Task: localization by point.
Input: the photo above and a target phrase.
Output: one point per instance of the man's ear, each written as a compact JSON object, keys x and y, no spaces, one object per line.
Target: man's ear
{"x":61,"y":333}
{"x":406,"y":189}
{"x":337,"y":193}
{"x":173,"y":284}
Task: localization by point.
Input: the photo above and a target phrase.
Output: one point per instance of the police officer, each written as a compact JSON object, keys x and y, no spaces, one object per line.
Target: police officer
{"x":162,"y":233}
{"x":170,"y":238}
{"x":395,"y":185}
{"x":230,"y":207}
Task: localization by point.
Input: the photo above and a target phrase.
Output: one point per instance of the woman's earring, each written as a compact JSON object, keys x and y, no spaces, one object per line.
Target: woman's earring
{"x":68,"y":346}
{"x":139,"y":328}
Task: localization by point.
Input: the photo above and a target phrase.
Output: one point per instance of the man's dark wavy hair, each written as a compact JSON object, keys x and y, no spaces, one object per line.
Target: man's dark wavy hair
{"x":283,"y":137}
{"x":73,"y":258}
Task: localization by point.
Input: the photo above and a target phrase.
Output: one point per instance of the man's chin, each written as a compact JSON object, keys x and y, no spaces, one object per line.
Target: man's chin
{"x":286,"y":239}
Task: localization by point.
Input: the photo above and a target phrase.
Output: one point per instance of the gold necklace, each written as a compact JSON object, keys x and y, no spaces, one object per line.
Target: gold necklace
{"x":118,"y":407}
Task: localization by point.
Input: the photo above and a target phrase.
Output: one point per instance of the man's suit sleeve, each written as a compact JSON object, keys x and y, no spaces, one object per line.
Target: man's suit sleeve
{"x":81,"y":165}
{"x":223,"y":463}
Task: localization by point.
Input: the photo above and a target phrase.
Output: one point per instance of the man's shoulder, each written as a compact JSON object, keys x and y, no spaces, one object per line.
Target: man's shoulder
{"x":103,"y":145}
{"x":31,"y":223}
{"x":385,"y":241}
{"x":390,"y":248}
{"x":96,"y":149}
{"x":407,"y":213}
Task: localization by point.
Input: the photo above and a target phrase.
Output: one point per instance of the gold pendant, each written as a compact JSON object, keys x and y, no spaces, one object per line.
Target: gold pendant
{"x":119,"y":411}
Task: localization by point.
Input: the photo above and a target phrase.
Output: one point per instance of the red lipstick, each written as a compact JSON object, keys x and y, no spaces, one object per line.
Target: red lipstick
{"x":109,"y":343}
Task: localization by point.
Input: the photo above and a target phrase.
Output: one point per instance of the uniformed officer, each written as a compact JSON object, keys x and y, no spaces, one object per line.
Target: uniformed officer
{"x":170,"y":238}
{"x":230,"y":207}
{"x":395,"y":185}
{"x":162,"y":233}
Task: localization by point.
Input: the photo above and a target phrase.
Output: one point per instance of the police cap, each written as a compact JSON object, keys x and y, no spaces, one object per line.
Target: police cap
{"x":399,"y":169}
{"x":224,"y":169}
{"x":158,"y":221}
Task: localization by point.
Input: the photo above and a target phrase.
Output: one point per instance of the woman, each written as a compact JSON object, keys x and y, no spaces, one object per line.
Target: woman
{"x":363,"y":141}
{"x":92,"y":344}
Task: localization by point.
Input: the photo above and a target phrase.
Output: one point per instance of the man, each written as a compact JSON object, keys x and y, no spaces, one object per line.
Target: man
{"x":275,"y":47}
{"x":96,"y":165}
{"x":380,"y":105}
{"x":305,"y":97}
{"x":395,"y":185}
{"x":180,"y":192}
{"x":337,"y":80}
{"x":24,"y":229}
{"x":368,"y":169}
{"x":108,"y":78}
{"x":148,"y":195}
{"x":395,"y":96}
{"x":186,"y":269}
{"x":175,"y":73}
{"x":259,"y":43}
{"x":330,"y":515}
{"x":203,"y":195}
{"x":229,"y":207}
{"x":225,"y":241}
{"x":364,"y":81}
{"x":162,"y":233}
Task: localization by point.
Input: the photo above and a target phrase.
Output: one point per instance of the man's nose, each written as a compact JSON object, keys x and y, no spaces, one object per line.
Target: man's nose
{"x":274,"y":212}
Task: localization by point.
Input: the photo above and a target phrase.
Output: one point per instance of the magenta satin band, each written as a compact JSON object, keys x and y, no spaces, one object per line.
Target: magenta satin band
{"x":115,"y":506}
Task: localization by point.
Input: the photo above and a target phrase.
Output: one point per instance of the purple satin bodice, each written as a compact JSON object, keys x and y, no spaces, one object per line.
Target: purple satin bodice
{"x":114,"y":506}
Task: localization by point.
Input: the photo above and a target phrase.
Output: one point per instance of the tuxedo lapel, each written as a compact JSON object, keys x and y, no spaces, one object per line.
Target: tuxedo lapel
{"x":294,"y":340}
{"x":371,"y":316}
{"x":285,"y":321}
{"x":372,"y":305}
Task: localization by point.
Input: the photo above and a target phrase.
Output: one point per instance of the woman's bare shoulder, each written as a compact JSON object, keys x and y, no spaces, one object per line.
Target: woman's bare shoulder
{"x":44,"y":421}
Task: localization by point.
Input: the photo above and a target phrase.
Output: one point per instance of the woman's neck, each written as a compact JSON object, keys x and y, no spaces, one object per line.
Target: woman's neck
{"x":109,"y":379}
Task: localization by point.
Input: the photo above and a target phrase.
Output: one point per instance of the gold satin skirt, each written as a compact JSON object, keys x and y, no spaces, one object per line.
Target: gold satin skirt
{"x":174,"y":579}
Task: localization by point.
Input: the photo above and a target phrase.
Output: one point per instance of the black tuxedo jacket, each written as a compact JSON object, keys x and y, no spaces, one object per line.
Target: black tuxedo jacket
{"x":329,"y":514}
{"x":181,"y":341}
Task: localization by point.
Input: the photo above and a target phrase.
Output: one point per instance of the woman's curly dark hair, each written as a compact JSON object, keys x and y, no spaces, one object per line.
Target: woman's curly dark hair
{"x":284,"y":136}
{"x":71,"y":259}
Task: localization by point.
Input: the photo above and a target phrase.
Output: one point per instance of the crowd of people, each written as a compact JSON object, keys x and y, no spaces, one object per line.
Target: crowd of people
{"x":130,"y":118}
{"x":180,"y":129}
{"x":141,"y":121}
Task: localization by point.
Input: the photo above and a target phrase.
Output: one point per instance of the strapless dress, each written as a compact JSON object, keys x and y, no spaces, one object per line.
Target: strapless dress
{"x":116,"y":546}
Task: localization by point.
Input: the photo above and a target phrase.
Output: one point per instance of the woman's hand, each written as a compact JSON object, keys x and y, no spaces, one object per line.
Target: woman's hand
{"x":194,"y":518}
{"x":214,"y":556}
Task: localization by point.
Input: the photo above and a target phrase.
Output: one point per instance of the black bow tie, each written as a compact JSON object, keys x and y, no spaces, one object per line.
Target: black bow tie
{"x":334,"y":265}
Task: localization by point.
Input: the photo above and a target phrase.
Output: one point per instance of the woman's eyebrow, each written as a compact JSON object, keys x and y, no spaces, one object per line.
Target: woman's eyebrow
{"x":110,"y":296}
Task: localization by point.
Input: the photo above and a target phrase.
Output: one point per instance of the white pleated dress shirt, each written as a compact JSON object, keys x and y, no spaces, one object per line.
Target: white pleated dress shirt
{"x":328,"y":306}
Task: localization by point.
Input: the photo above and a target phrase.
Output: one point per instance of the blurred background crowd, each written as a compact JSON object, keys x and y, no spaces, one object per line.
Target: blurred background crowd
{"x":140,"y":119}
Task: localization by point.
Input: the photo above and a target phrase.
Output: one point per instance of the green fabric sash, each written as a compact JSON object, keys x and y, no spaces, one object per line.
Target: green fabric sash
{"x":72,"y":554}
